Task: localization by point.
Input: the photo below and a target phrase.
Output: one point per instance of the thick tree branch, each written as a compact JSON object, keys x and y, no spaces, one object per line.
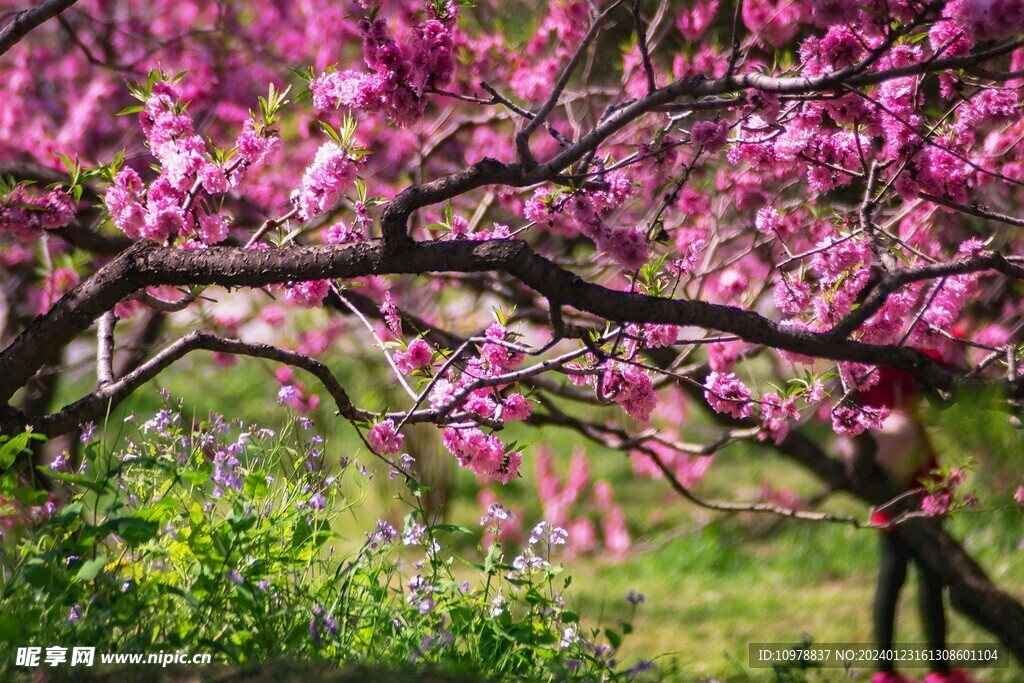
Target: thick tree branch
{"x":147,"y":264}
{"x":28,"y":19}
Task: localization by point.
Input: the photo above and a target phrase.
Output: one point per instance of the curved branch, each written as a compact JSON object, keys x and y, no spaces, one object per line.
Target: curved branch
{"x":146,"y":264}
{"x":26,"y":20}
{"x":113,"y":393}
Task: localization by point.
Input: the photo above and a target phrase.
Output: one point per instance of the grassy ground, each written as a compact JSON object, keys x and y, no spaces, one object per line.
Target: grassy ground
{"x":713,"y":583}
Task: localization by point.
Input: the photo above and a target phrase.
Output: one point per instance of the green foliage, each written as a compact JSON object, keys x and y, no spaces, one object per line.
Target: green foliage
{"x":206,"y":536}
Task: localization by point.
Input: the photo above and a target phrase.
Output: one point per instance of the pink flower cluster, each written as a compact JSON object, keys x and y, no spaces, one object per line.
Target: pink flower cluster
{"x":401,"y":73}
{"x":484,"y":454}
{"x":252,"y":147}
{"x":480,"y":452}
{"x":658,"y":336}
{"x":310,"y":293}
{"x":710,"y":135}
{"x":694,"y":22}
{"x":124,"y":200}
{"x":626,"y":245}
{"x":169,"y":207}
{"x":495,"y":360}
{"x":725,"y":393}
{"x":418,"y":355}
{"x":791,"y":296}
{"x":173,"y":140}
{"x":775,"y":415}
{"x":988,"y":19}
{"x":384,"y":438}
{"x":25,"y":216}
{"x":851,"y":420}
{"x":631,"y":387}
{"x":332,"y":172}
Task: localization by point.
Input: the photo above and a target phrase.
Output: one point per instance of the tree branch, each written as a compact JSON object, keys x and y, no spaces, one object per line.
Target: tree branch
{"x":26,"y":20}
{"x":146,"y":264}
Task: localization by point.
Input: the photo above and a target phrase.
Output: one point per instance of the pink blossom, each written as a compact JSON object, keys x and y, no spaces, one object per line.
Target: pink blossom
{"x":165,"y":217}
{"x":725,"y":393}
{"x":516,"y":408}
{"x":482,"y":453}
{"x":284,"y":374}
{"x":949,"y":300}
{"x":418,"y":355}
{"x":391,"y":314}
{"x":775,"y":414}
{"x":941,"y":173}
{"x":849,"y":420}
{"x":710,"y":135}
{"x":310,"y":293}
{"x":840,"y":47}
{"x":481,"y":403}
{"x":791,"y":296}
{"x":252,"y":147}
{"x":658,"y":336}
{"x":988,"y":19}
{"x":330,"y":174}
{"x":213,"y":178}
{"x":767,"y":221}
{"x":694,"y":22}
{"x":1018,"y":496}
{"x":839,"y":256}
{"x":632,"y":388}
{"x":384,"y":438}
{"x":342,"y":233}
{"x":123,"y":201}
{"x":532,"y":80}
{"x":350,"y":89}
{"x":628,"y":246}
{"x":567,"y":19}
{"x":937,"y":504}
{"x":212,"y":229}
{"x":508,"y":468}
{"x":432,"y":58}
{"x":442,"y":394}
{"x":773,"y":23}
{"x":722,"y":356}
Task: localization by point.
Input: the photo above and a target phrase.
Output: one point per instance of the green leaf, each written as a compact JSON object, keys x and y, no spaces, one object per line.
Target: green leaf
{"x":67,"y":514}
{"x":493,"y":558}
{"x":133,"y":530}
{"x":10,"y":450}
{"x":91,"y":569}
{"x":28,"y":495}
{"x":128,"y":111}
{"x":241,"y":523}
{"x":455,"y":529}
{"x":74,"y":479}
{"x":613,"y":637}
{"x":38,"y":573}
